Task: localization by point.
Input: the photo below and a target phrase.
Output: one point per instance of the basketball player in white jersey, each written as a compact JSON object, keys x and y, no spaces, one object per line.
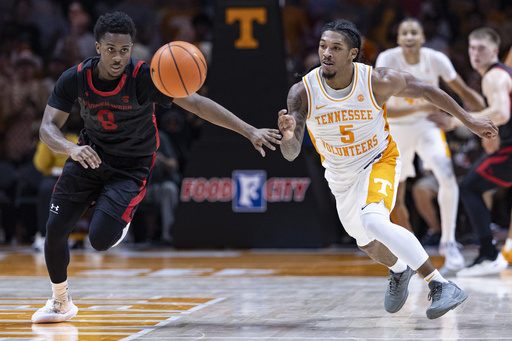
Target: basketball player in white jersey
{"x":344,"y":105}
{"x":414,"y":133}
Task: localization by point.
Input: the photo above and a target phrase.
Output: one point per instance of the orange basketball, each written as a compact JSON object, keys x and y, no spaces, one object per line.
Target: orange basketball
{"x":178,"y":69}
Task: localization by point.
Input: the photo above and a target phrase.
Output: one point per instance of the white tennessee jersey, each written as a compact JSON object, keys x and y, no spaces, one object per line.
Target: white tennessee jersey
{"x":433,"y":64}
{"x":351,"y":132}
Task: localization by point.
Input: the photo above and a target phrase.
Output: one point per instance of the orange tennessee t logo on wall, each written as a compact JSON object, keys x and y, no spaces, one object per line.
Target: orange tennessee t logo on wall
{"x":246,"y":16}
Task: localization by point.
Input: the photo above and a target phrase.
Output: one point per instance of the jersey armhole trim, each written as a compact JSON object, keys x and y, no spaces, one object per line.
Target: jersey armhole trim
{"x":309,"y":95}
{"x":370,"y":89}
{"x":137,"y":67}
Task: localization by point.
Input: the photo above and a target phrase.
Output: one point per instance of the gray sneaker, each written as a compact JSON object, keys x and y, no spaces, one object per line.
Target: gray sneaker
{"x":397,"y":290}
{"x":445,"y":297}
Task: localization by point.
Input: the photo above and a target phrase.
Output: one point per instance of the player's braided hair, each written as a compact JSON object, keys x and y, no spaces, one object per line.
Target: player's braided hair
{"x":117,"y":22}
{"x":349,"y":30}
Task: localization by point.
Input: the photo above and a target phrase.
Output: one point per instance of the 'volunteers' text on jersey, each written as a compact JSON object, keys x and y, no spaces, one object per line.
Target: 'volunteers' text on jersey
{"x":351,"y":132}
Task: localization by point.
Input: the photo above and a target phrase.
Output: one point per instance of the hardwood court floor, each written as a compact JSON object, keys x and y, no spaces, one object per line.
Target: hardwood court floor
{"x":328,"y":294}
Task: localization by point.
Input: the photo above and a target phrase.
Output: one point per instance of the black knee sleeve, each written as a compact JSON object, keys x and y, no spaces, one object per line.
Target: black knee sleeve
{"x":104,"y":230}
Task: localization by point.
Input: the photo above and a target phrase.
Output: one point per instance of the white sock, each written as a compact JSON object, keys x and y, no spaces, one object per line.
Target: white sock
{"x":508,"y":244}
{"x":398,"y":267}
{"x":60,"y":291}
{"x":435,"y":276}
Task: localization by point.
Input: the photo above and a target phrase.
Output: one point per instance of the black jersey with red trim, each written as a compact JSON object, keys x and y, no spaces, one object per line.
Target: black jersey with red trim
{"x":505,"y":131}
{"x":118,"y":115}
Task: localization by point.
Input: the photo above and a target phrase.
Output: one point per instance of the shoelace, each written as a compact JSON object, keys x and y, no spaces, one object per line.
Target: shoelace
{"x":393,"y":283}
{"x":56,"y":305}
{"x":435,"y":293}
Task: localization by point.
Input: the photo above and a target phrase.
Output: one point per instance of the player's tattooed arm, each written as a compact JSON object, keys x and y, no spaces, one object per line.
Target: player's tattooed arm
{"x":299,"y":110}
{"x":292,"y":122}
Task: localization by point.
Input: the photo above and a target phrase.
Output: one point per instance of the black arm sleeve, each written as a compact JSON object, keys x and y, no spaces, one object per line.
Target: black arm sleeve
{"x":65,"y":92}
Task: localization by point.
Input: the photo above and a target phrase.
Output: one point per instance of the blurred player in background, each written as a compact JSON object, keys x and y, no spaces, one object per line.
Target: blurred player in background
{"x":414,"y":133}
{"x":494,"y":169}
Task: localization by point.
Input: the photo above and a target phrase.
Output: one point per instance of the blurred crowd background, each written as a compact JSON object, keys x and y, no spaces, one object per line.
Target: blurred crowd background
{"x":42,"y":38}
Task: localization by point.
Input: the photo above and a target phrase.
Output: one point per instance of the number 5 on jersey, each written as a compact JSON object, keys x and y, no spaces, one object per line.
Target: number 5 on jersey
{"x":348,"y":136}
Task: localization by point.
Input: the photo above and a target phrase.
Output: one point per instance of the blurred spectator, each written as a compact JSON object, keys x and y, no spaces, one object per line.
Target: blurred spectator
{"x":6,"y":71}
{"x":432,"y":38}
{"x":22,"y":106}
{"x":8,"y":214}
{"x":56,"y":66}
{"x":19,"y":32}
{"x":369,"y":51}
{"x":50,"y":20}
{"x":182,"y":128}
{"x":492,"y":12}
{"x":295,"y":22}
{"x":385,"y":18}
{"x":311,"y":61}
{"x":145,"y":16}
{"x":24,"y":101}
{"x":203,"y":27}
{"x":177,"y":21}
{"x":79,"y":42}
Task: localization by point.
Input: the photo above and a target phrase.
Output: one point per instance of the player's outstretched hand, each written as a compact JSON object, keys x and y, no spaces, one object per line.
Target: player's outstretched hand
{"x":483,"y":127}
{"x":265,"y":137}
{"x":286,"y":124}
{"x":86,"y":156}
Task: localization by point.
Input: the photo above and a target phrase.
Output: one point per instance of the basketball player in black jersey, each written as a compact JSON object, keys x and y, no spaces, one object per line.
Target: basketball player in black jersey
{"x":494,"y":169}
{"x":112,"y":161}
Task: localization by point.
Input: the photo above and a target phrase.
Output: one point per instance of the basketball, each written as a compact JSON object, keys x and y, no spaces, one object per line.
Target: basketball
{"x":178,"y":69}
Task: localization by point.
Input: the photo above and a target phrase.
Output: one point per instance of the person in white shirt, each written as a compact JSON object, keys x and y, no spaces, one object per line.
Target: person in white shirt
{"x":415,"y":134}
{"x":344,"y":105}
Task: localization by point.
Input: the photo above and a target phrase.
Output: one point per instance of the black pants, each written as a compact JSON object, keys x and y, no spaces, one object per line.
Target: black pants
{"x":492,"y":171}
{"x":117,"y":187}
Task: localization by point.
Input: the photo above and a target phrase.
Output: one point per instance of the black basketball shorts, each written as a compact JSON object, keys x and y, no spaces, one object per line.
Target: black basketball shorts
{"x":117,"y":186}
{"x":497,"y":167}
